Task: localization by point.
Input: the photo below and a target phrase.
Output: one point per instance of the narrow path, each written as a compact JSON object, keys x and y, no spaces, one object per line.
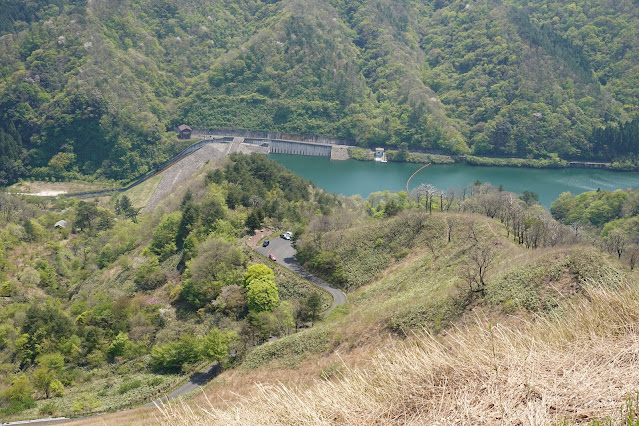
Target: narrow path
{"x":194,"y":382}
{"x":284,"y":251}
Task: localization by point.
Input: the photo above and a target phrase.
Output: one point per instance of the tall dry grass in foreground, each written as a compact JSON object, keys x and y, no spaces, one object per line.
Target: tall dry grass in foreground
{"x":579,"y":366}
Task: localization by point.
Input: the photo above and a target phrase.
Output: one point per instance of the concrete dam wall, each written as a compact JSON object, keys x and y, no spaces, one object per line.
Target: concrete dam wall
{"x":295,"y":148}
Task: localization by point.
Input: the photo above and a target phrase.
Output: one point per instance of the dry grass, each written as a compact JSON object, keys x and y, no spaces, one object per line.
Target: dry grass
{"x":142,"y":193}
{"x":575,"y":368}
{"x":56,"y":188}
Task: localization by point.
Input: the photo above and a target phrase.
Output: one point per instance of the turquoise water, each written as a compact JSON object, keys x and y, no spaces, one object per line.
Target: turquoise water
{"x":363,"y":177}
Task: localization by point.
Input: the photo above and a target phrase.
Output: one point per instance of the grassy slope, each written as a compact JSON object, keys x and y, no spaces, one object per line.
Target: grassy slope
{"x":412,"y":346}
{"x":141,"y":194}
{"x":520,"y":341}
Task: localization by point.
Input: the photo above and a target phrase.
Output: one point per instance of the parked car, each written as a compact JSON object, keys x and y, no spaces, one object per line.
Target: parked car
{"x":285,"y":236}
{"x":265,"y":243}
{"x":272,"y":257}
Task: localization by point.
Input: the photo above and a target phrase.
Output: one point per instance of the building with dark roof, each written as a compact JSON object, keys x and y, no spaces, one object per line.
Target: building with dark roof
{"x":184,"y":131}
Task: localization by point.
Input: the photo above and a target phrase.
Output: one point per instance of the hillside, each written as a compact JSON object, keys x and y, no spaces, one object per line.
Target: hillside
{"x":122,"y":304}
{"x":91,"y":88}
{"x":551,"y":339}
{"x":456,"y":316}
{"x":115,"y":307}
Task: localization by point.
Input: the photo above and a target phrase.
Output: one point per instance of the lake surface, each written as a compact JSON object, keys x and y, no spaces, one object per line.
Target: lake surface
{"x":363,"y":177}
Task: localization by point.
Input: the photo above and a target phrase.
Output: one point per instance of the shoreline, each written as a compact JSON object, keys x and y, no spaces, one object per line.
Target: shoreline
{"x":366,"y":154}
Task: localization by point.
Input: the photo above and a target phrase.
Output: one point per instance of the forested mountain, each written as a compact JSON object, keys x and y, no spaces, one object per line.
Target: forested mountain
{"x":91,"y":87}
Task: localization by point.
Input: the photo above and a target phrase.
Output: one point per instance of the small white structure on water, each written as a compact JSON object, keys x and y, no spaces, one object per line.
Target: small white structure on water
{"x":380,"y":155}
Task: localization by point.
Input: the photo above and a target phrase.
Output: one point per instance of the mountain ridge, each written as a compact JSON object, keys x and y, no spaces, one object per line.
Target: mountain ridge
{"x":94,"y":88}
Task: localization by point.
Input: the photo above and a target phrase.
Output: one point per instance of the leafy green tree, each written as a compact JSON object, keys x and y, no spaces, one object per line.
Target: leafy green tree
{"x":44,"y":380}
{"x":201,"y":293}
{"x":402,"y":153}
{"x":53,"y":361}
{"x":106,"y":256}
{"x":217,"y":264}
{"x":313,"y":304}
{"x":105,"y":221}
{"x":391,"y":208}
{"x":529,"y":197}
{"x":189,"y":219}
{"x":258,"y":271}
{"x":149,"y":276}
{"x":8,"y":289}
{"x":171,"y":356}
{"x":262,"y":295}
{"x":123,"y":205}
{"x":253,"y":221}
{"x":86,"y":215}
{"x":285,"y":317}
{"x":19,"y":394}
{"x":215,"y":346}
{"x":118,"y":345}
{"x":211,"y":211}
{"x":164,"y":237}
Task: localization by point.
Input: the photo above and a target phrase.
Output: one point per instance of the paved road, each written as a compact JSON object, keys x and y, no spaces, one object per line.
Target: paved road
{"x":285,"y":254}
{"x":194,"y":382}
{"x":47,"y":421}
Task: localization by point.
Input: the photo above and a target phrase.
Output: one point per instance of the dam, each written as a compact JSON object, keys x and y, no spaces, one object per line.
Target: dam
{"x":306,"y":148}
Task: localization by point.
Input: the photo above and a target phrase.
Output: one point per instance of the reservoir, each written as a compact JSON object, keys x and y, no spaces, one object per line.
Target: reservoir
{"x":352,"y":177}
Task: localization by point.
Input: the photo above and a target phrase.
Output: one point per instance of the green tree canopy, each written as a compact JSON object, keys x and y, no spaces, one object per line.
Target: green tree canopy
{"x":262,"y":295}
{"x":258,"y":271}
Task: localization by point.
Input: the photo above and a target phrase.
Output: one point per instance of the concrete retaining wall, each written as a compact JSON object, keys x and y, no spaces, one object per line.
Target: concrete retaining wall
{"x":298,"y":148}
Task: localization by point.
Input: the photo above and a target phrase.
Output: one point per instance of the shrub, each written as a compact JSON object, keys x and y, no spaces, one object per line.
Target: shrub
{"x":149,"y":276}
{"x":48,"y":409}
{"x":8,"y":289}
{"x":125,"y":387}
{"x":171,"y":356}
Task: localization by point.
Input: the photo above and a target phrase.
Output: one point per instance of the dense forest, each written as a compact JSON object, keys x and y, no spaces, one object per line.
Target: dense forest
{"x":92,"y":89}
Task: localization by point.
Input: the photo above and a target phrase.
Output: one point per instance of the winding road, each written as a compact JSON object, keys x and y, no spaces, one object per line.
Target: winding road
{"x":285,"y":254}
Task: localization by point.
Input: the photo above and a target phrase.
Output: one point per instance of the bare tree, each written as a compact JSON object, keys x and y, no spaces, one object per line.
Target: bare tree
{"x":449,"y":228}
{"x":482,"y":258}
{"x":256,"y":201}
{"x":473,"y":232}
{"x":616,"y":241}
{"x":428,"y":191}
{"x":450,"y":197}
{"x":633,"y":256}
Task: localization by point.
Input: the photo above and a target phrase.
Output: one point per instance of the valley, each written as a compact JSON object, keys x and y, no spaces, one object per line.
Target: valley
{"x":270,"y":271}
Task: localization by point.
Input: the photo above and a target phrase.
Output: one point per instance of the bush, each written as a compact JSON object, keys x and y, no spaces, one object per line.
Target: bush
{"x":48,"y":409}
{"x":149,"y":276}
{"x":171,"y":356}
{"x":125,"y":387}
{"x":156,"y":381}
{"x":8,"y":289}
